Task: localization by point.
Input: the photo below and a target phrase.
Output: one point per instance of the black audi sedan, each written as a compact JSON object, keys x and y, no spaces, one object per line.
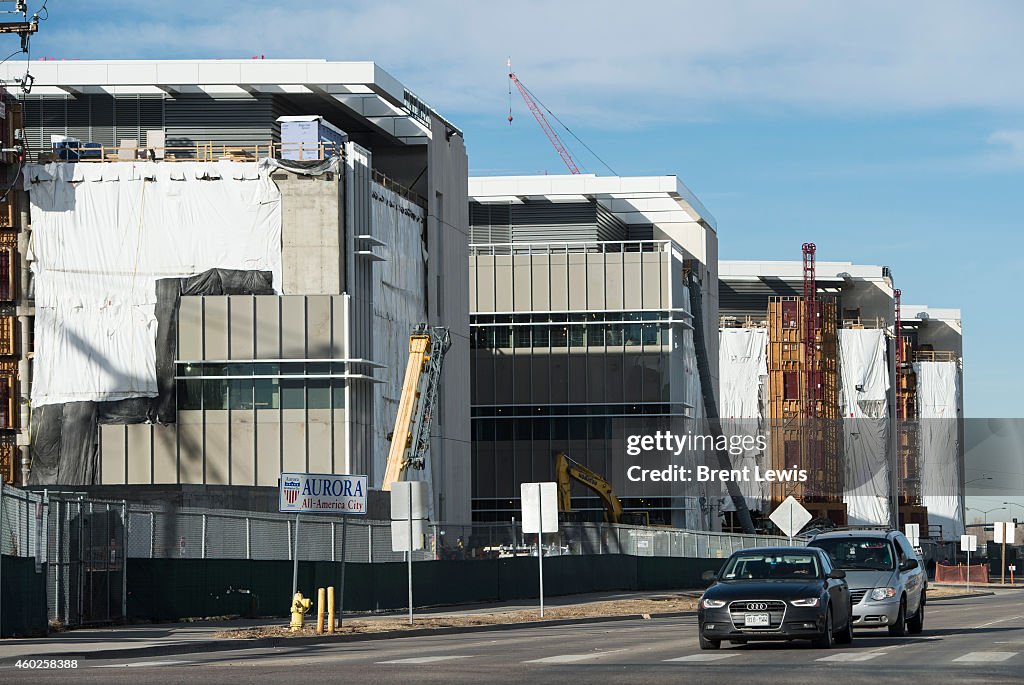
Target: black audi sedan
{"x":776,"y":593}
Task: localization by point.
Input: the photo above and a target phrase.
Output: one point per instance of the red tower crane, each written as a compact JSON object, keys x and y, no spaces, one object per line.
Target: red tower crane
{"x":560,"y":148}
{"x":811,"y":327}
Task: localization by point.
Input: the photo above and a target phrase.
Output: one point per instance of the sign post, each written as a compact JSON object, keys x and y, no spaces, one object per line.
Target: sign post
{"x":408,"y":513}
{"x":1004,"y":533}
{"x":320,"y":493}
{"x":295,"y":557}
{"x":540,"y":515}
{"x":968,"y":543}
{"x":341,"y":598}
{"x":790,"y":517}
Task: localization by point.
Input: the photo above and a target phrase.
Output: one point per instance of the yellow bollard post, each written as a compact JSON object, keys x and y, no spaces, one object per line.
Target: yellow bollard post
{"x":330,"y":609}
{"x":319,"y":611}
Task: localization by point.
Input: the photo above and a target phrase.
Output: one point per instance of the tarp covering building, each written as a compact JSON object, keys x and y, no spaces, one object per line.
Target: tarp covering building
{"x":743,"y":372}
{"x":938,"y":407}
{"x":106,"y":239}
{"x":102,"y":234}
{"x":864,"y":405}
{"x":398,"y":305}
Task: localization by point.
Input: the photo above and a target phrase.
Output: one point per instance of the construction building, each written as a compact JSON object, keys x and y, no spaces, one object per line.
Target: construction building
{"x":220,"y":266}
{"x":583,"y":325}
{"x":843,"y":406}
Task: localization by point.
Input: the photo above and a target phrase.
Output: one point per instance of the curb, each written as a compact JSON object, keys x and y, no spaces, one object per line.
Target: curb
{"x":963,"y":596}
{"x":236,"y":644}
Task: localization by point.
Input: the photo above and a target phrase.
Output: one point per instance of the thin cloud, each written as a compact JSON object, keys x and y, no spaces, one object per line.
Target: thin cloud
{"x":606,"y":64}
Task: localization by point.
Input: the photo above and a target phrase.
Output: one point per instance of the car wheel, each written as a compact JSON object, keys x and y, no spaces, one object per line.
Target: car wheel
{"x":845,"y":637}
{"x":899,"y":627}
{"x":827,"y":639}
{"x":916,"y":623}
{"x":709,"y":644}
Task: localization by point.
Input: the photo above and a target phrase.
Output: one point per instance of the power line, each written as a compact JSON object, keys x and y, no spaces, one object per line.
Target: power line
{"x":555,"y":117}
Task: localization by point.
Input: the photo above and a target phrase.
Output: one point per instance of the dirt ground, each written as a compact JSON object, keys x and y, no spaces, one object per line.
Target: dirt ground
{"x":627,"y":607}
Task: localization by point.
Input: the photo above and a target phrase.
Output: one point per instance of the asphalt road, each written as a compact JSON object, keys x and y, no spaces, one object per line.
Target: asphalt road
{"x":977,"y":640}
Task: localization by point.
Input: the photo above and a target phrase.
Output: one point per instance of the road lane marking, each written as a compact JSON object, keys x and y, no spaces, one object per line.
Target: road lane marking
{"x":571,"y":658}
{"x":426,"y":659}
{"x":992,"y":623}
{"x":982,"y":657}
{"x":703,"y":657}
{"x":852,"y":656}
{"x":143,"y":664}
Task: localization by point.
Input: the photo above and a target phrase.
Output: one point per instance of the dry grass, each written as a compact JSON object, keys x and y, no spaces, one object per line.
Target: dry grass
{"x":626,"y":607}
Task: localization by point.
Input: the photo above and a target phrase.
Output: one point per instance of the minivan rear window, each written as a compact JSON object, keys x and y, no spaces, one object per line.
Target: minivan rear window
{"x":858,"y":554}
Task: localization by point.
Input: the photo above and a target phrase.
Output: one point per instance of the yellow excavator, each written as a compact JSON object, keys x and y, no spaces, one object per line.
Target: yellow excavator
{"x":410,"y":441}
{"x":567,"y":470}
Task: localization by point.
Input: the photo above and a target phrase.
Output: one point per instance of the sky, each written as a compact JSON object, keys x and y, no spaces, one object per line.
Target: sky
{"x":886,"y":133}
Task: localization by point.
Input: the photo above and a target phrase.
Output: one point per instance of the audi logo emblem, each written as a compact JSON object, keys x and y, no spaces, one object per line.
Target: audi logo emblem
{"x":757,"y":606}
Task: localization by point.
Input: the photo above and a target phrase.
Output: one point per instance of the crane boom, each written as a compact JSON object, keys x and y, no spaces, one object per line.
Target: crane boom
{"x":545,"y":125}
{"x":410,"y":440}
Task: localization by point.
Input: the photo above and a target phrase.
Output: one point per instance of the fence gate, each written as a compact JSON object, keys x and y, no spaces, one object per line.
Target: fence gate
{"x":87,"y":580}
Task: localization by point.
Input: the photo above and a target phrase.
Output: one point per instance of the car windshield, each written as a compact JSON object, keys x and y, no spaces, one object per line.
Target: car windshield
{"x":771,"y":566}
{"x":859,"y":554}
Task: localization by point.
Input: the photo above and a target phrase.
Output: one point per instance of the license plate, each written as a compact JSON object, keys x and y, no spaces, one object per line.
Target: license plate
{"x":756,"y":620}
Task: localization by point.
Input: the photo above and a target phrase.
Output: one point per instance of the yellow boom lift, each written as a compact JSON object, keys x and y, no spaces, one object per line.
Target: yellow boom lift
{"x":567,"y":470}
{"x":410,"y":440}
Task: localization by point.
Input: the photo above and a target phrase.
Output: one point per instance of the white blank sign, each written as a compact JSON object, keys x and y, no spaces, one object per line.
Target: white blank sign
{"x":968,"y":543}
{"x":913,"y":532}
{"x":400,"y":535}
{"x":540,"y":508}
{"x":1004,"y":531}
{"x":400,"y":499}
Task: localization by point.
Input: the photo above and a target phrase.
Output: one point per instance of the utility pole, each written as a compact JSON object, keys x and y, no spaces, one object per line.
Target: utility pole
{"x":23,"y":28}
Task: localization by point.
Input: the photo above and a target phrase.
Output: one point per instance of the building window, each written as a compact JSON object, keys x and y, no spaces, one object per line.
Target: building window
{"x":293,"y":394}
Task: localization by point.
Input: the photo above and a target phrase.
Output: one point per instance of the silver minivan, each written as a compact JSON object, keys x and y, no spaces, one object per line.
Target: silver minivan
{"x":888,"y":585}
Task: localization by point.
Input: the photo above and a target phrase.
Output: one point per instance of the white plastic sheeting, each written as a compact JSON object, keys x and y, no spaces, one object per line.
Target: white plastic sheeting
{"x":743,"y":373}
{"x":103,"y":233}
{"x":398,"y":305}
{"x":938,"y":402}
{"x":864,"y":405}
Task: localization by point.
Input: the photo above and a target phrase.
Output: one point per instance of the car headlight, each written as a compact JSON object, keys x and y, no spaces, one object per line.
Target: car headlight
{"x":712,"y":603}
{"x":880,"y":593}
{"x":806,"y":602}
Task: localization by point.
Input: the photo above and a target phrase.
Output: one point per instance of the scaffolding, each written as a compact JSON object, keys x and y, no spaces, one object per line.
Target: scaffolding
{"x":804,"y":403}
{"x":10,"y":351}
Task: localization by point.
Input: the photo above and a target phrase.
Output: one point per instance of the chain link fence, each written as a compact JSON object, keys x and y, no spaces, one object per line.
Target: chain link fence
{"x":85,"y":545}
{"x":187,"y":533}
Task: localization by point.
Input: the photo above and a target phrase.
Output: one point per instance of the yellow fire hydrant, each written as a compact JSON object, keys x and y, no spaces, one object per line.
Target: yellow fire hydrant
{"x":300,"y":605}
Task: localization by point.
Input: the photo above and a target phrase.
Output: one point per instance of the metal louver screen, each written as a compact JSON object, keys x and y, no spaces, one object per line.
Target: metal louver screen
{"x":489,"y":223}
{"x":235,"y":121}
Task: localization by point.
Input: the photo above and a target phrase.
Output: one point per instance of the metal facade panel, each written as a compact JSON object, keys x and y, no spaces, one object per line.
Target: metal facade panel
{"x":190,"y":328}
{"x":242,"y":333}
{"x":268,"y":446}
{"x":243,"y":448}
{"x":293,"y":327}
{"x":215,"y":327}
{"x":165,"y":453}
{"x":268,"y":326}
{"x":318,"y":326}
{"x":216,"y":457}
{"x":112,"y":454}
{"x":139,"y":446}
